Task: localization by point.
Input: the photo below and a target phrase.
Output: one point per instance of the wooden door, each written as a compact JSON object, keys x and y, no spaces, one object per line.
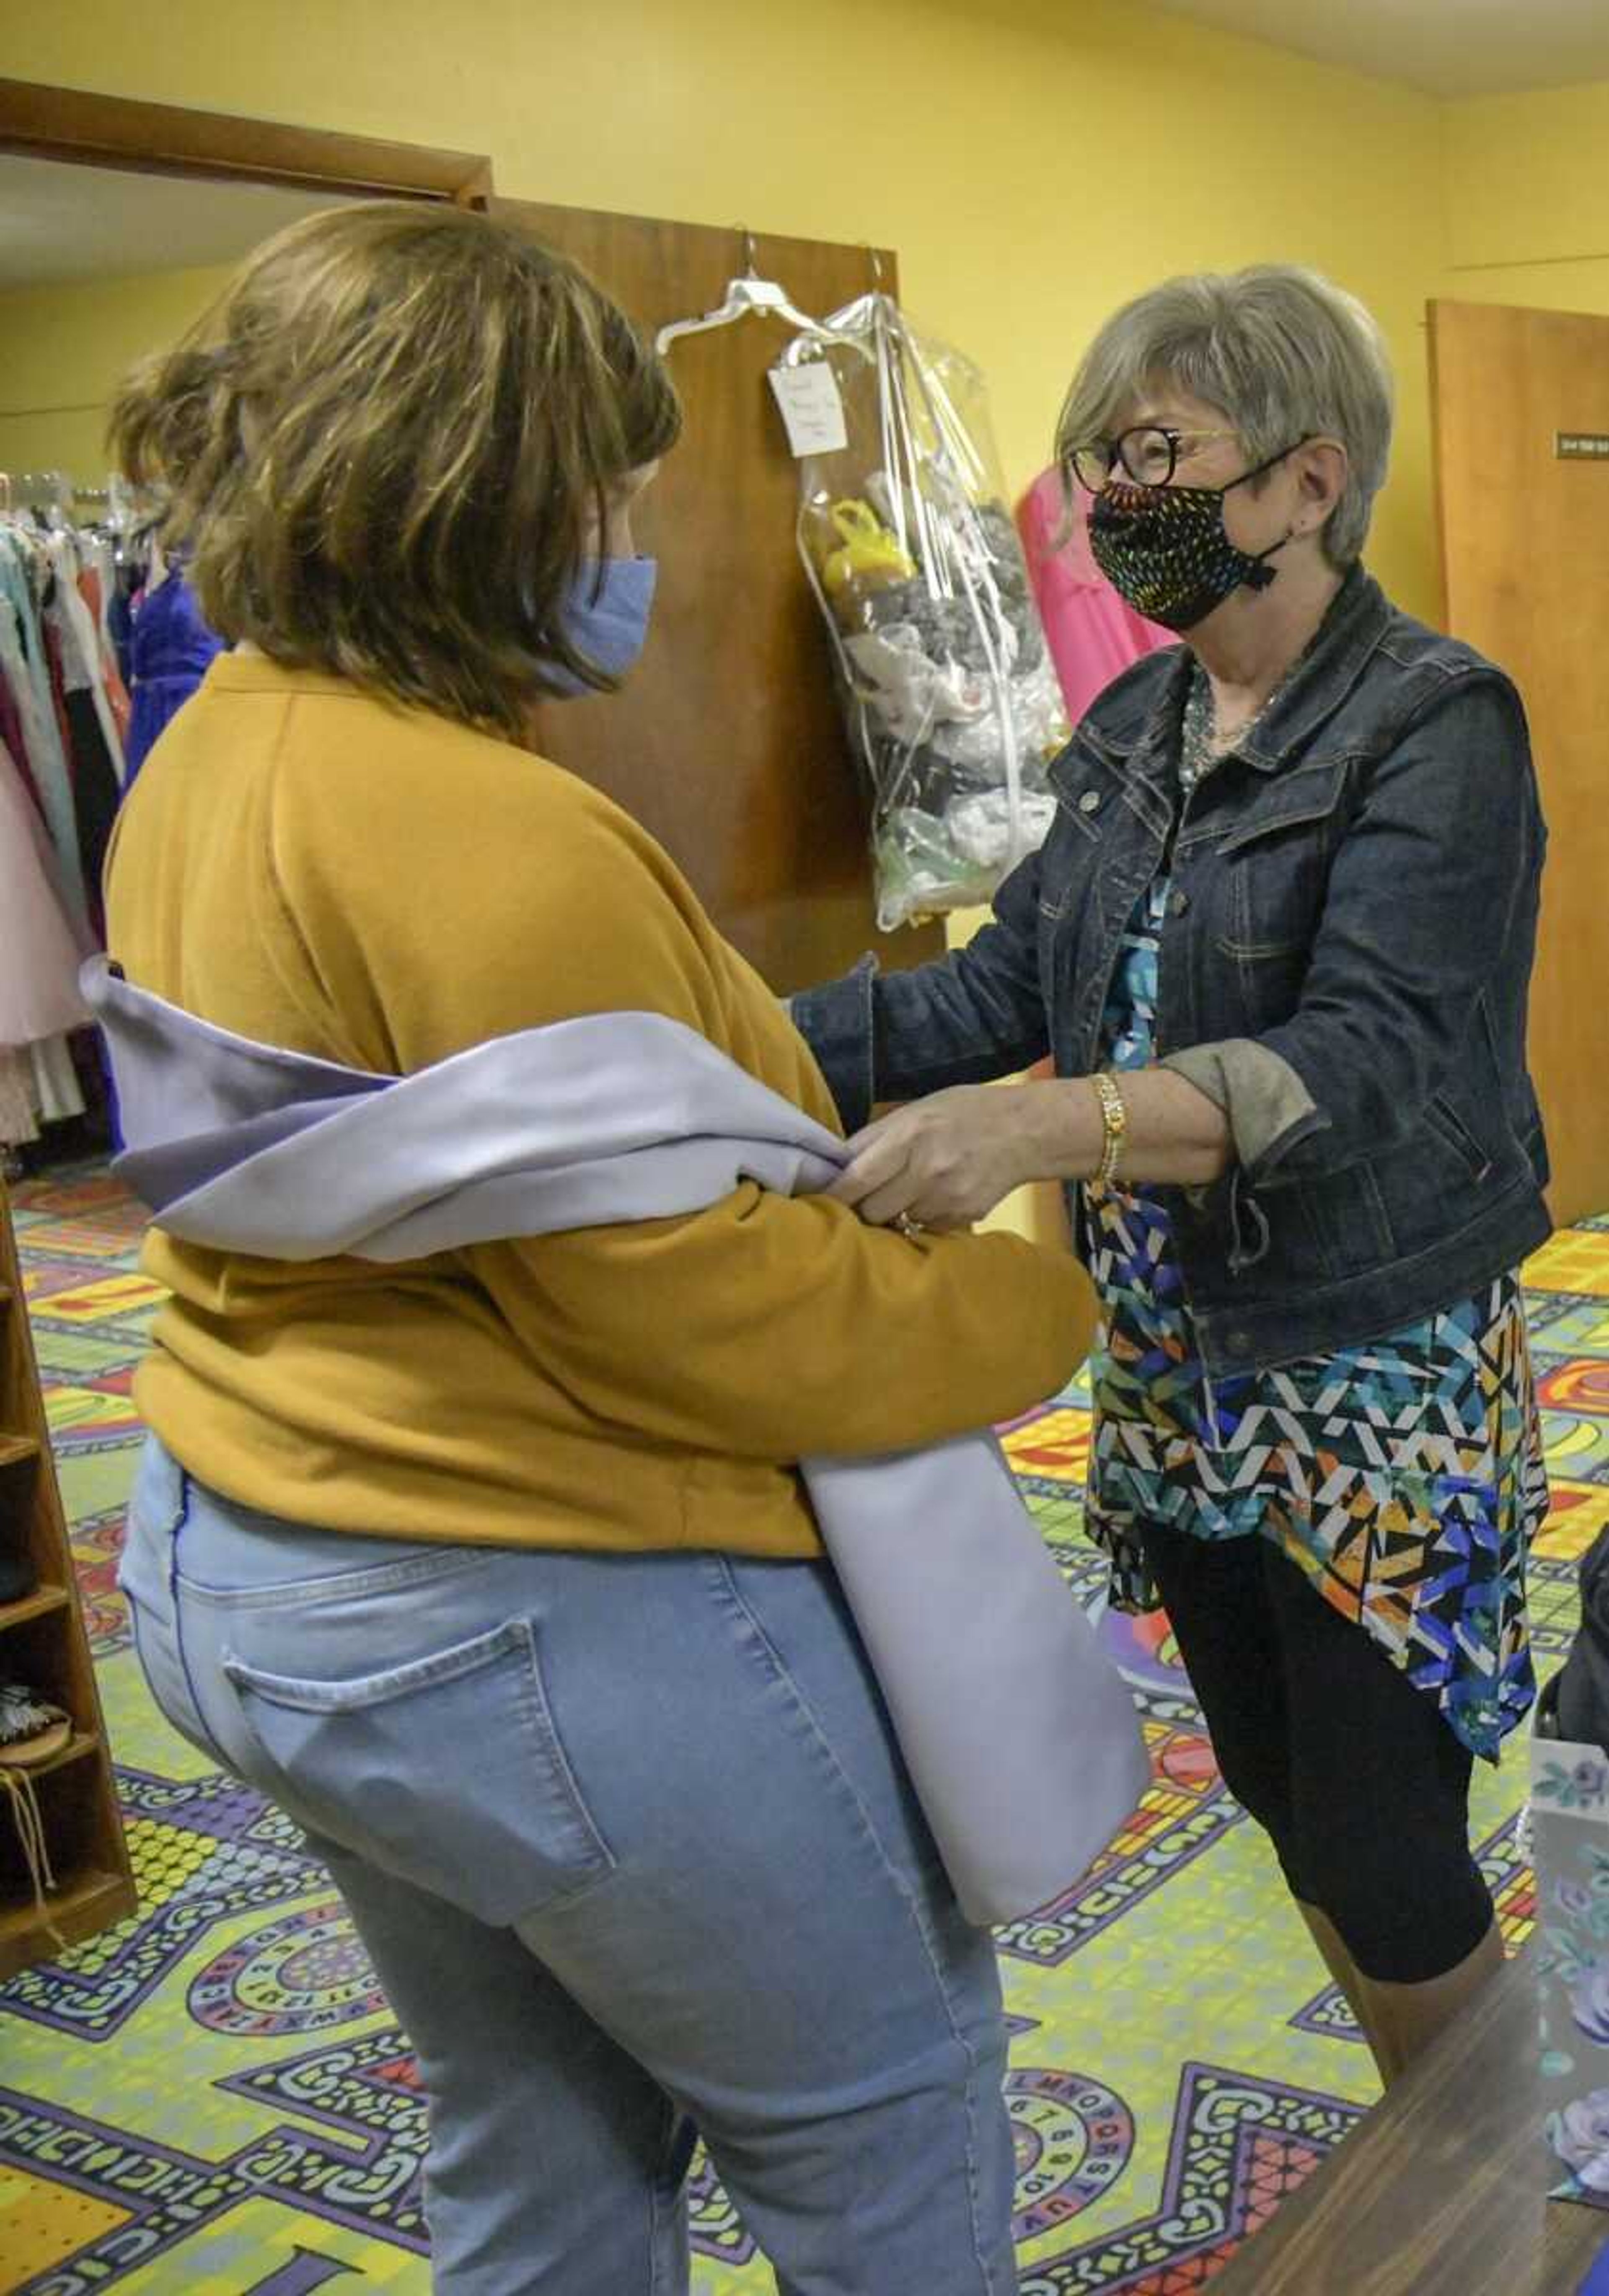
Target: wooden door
{"x":1525,"y":561}
{"x":728,"y":743}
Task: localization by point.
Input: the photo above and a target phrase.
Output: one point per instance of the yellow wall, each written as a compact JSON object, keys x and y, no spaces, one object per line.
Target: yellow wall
{"x":1528,"y":199}
{"x":1529,"y":176}
{"x":1039,"y":165}
{"x":1057,"y":157}
{"x":65,"y":349}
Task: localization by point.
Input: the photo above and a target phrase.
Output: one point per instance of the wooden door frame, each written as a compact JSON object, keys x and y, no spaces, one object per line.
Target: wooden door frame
{"x":87,"y":129}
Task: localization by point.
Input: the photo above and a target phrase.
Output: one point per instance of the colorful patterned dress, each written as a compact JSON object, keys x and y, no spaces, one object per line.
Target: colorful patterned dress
{"x":1404,"y":1477}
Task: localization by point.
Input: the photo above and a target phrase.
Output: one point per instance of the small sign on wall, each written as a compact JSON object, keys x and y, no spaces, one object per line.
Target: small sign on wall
{"x":1581,"y":446}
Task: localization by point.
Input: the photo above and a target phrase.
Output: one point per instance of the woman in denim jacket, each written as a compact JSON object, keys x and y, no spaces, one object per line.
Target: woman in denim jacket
{"x":1277,"y":945}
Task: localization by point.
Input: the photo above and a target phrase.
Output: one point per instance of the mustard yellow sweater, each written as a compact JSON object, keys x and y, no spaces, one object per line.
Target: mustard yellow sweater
{"x":381,"y":887}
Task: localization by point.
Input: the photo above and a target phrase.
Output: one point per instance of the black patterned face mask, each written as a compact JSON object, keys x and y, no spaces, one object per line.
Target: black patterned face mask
{"x":1165,"y":550}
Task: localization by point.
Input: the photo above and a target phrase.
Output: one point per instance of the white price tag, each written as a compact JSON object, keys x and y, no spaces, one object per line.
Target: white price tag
{"x":812,"y":407}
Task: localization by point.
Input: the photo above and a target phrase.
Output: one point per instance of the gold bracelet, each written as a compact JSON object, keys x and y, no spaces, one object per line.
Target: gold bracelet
{"x":1114,"y":1118}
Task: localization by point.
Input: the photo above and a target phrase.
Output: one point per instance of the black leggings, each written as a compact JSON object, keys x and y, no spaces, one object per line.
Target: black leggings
{"x":1353,"y":1773}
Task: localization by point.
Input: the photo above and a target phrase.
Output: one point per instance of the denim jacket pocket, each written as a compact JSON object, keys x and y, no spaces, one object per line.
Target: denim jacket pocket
{"x":1276,"y":863}
{"x":1450,"y":1129}
{"x":447,"y":1771}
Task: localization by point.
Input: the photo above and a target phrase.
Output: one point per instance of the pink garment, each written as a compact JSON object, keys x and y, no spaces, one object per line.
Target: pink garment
{"x":1093,"y":635}
{"x":39,"y":978}
{"x":11,"y":738}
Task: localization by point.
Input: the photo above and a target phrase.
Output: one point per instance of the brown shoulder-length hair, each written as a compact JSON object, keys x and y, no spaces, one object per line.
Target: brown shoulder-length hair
{"x":389,"y":445}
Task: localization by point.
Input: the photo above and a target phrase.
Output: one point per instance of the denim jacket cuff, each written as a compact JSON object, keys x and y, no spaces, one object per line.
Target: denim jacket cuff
{"x":1269,"y":1106}
{"x":839,"y":1024}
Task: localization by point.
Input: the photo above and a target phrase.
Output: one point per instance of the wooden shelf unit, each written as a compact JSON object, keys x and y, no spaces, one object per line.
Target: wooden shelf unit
{"x":37,"y":1605}
{"x":43,"y":1645}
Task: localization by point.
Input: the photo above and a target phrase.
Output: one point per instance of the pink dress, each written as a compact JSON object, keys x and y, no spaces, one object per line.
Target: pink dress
{"x":39,"y":978}
{"x":1093,"y":635}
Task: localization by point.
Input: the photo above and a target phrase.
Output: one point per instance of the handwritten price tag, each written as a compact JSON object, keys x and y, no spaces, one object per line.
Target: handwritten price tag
{"x":811,"y":408}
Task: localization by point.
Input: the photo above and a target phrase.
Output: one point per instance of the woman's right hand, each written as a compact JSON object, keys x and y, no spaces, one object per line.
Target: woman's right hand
{"x":942,"y":1162}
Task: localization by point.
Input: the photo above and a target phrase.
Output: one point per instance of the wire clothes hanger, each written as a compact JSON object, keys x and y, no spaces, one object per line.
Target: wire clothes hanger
{"x":750,"y":294}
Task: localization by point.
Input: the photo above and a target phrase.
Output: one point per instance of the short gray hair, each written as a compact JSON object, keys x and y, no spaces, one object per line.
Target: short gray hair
{"x":1285,"y":353}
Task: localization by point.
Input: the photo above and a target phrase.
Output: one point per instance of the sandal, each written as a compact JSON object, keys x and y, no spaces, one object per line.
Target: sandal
{"x":31,"y":1730}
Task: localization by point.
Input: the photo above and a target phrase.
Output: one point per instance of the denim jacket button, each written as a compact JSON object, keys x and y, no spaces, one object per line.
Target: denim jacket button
{"x":1239,"y":1343}
{"x":1090,"y":803}
{"x":1180,"y":902}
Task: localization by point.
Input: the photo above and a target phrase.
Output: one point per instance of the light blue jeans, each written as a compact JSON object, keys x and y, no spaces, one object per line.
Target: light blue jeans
{"x":634,"y":1856}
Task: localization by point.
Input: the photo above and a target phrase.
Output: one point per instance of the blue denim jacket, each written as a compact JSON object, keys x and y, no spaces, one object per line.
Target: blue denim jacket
{"x":1354,"y":892}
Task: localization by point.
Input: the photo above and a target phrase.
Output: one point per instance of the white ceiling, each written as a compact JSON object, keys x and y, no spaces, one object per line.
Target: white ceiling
{"x":1447,"y":47}
{"x":60,"y":222}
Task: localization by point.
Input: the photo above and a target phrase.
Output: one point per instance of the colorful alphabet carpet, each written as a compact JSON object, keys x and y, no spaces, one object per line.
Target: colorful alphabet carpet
{"x":213,"y":2100}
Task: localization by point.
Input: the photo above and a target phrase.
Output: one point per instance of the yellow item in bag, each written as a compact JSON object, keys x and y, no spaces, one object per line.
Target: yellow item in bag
{"x":867,"y":550}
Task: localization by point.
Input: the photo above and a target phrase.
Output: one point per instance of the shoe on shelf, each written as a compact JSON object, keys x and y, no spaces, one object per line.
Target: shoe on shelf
{"x":31,"y":1730}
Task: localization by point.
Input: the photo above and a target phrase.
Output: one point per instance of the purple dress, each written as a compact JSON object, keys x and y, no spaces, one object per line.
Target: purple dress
{"x":172,"y":650}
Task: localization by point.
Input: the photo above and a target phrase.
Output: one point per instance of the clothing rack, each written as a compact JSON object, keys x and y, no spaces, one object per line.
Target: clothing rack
{"x":101,"y":642}
{"x":23,"y":490}
{"x":65,"y":711}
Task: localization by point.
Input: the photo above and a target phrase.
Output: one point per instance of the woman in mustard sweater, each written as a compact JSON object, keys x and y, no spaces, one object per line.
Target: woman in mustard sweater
{"x":494,"y":1567}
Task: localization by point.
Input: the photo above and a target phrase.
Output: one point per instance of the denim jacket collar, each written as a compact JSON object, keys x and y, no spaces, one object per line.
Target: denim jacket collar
{"x":1352,"y":629}
{"x":1139,"y":723}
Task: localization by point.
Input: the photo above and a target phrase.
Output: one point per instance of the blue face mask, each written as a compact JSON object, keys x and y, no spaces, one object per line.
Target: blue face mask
{"x":606,"y":621}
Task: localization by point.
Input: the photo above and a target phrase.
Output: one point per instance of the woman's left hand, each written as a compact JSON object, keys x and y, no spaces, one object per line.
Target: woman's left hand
{"x":942,"y":1162}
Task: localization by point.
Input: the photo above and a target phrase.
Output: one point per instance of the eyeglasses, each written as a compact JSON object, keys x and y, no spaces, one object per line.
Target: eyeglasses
{"x":1148,"y":455}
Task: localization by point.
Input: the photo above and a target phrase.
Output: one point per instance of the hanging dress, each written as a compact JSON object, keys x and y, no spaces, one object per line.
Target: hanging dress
{"x":172,"y":651}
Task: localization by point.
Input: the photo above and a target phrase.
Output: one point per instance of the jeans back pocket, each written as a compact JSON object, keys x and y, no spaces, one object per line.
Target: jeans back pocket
{"x":448,"y":1772}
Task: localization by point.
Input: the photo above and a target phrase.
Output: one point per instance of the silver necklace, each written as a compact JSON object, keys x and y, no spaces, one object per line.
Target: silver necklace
{"x":1198,"y":747}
